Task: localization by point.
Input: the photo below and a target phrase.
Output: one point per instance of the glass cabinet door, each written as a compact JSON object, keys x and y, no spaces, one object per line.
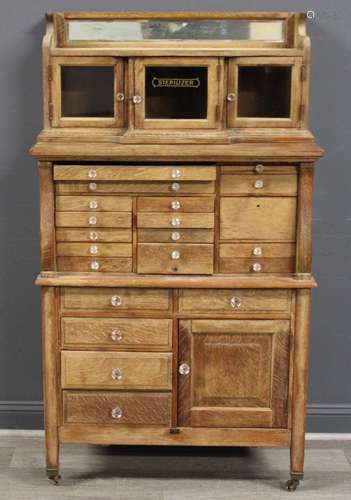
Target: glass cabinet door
{"x":87,"y":92}
{"x":263,"y":92}
{"x":176,"y":92}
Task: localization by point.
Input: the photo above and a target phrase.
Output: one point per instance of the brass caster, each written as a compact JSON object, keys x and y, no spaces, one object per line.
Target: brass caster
{"x":53,"y":476}
{"x":292,"y":484}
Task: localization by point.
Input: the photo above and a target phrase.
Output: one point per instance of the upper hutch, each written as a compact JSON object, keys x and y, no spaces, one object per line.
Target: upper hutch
{"x":176,"y":171}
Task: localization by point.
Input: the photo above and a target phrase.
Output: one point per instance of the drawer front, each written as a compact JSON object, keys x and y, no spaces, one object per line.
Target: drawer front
{"x":176,"y":236}
{"x":174,"y":204}
{"x":93,"y":219}
{"x":85,"y":265}
{"x":117,"y":333}
{"x":93,"y":203}
{"x":175,"y":259}
{"x":235,"y":301}
{"x":94,"y":235}
{"x":94,"y":249}
{"x":260,"y":185}
{"x":116,"y":299}
{"x":161,"y":220}
{"x":134,"y":173}
{"x":116,"y":370}
{"x":258,"y":219}
{"x":189,"y":187}
{"x":126,"y":408}
{"x":257,"y":266}
{"x":256,"y":250}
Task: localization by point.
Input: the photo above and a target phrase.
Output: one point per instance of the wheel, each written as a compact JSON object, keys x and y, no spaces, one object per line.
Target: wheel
{"x":292,"y":484}
{"x":54,"y":479}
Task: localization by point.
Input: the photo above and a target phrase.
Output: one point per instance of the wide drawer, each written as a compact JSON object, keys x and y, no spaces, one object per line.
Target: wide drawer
{"x":93,"y":219}
{"x":126,"y":408}
{"x":257,"y":266}
{"x":189,"y":187}
{"x":175,"y":259}
{"x":260,"y":185}
{"x":96,"y":234}
{"x":91,"y":203}
{"x":85,"y":265}
{"x":174,"y":204}
{"x":234,"y":300}
{"x":116,"y":299}
{"x":116,"y":370}
{"x":94,"y":249}
{"x":117,"y":333}
{"x":134,"y":173}
{"x":175,"y":236}
{"x":162,"y":220}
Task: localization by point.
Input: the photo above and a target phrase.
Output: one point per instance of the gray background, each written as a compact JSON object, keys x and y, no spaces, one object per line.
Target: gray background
{"x":22,"y":26}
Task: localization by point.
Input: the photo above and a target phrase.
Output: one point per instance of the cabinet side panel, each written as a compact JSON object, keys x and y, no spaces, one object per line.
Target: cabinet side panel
{"x":47,"y":217}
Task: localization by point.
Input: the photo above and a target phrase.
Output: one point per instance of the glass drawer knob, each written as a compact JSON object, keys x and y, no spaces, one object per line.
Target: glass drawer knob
{"x":92,"y":174}
{"x":257,"y":251}
{"x":92,"y":220}
{"x":93,"y":235}
{"x":231,"y":97}
{"x":95,"y":266}
{"x":175,"y":204}
{"x":120,"y":96}
{"x":176,"y":173}
{"x":116,"y":374}
{"x":175,"y":236}
{"x":116,"y":335}
{"x":92,"y":186}
{"x":235,"y":302}
{"x":137,"y":99}
{"x":257,"y":267}
{"x":259,"y":168}
{"x":175,"y":222}
{"x":258,"y":184}
{"x":184,"y":369}
{"x":175,"y":186}
{"x":93,"y":249}
{"x":175,"y":255}
{"x":93,"y":204}
{"x":117,"y":413}
{"x":116,"y":301}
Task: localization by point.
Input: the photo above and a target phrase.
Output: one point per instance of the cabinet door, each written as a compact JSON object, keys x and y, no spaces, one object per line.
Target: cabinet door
{"x":176,"y":92}
{"x":233,"y":373}
{"x":87,"y":92}
{"x":263,"y":92}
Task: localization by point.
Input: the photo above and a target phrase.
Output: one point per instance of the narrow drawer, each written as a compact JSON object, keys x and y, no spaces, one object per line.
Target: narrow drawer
{"x":234,"y":301}
{"x":189,"y":187}
{"x":176,"y":236}
{"x":93,"y":219}
{"x":93,"y":203}
{"x":85,"y":265}
{"x":116,"y":370}
{"x":161,"y":220}
{"x":117,"y":333}
{"x":116,"y":299}
{"x":126,"y":408}
{"x":256,"y":250}
{"x":257,"y":266}
{"x":94,"y":235}
{"x":134,"y":173}
{"x":175,"y":259}
{"x":174,"y":204}
{"x":260,"y":184}
{"x":94,"y":249}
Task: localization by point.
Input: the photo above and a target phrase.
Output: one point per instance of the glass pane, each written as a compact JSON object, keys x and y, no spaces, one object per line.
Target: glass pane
{"x":87,"y":91}
{"x":264,"y":91}
{"x":185,"y":29}
{"x":177,"y":92}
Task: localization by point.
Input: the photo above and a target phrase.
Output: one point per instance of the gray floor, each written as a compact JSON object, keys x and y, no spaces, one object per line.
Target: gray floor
{"x":139,"y":473}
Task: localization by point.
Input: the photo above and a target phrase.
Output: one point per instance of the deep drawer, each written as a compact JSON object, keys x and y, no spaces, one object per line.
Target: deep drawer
{"x":93,"y":203}
{"x":116,"y":370}
{"x":126,"y":408}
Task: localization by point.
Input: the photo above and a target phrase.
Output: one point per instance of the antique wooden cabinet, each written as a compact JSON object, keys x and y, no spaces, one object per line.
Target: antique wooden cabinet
{"x":176,"y":170}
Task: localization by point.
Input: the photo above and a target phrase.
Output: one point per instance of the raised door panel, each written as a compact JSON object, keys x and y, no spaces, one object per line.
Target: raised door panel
{"x":239,"y":372}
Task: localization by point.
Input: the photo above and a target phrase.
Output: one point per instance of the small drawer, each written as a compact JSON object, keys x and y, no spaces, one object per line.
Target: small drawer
{"x":93,"y":219}
{"x":117,"y":333}
{"x":94,"y":249}
{"x":93,"y":203}
{"x":175,"y":259}
{"x":142,"y":187}
{"x":116,"y":370}
{"x":174,"y":204}
{"x":256,"y":250}
{"x":134,"y":173}
{"x":176,"y":236}
{"x":234,"y":301}
{"x":257,"y":265}
{"x":126,"y":408}
{"x":94,"y":264}
{"x":260,"y":184}
{"x":176,"y":221}
{"x":94,"y":235}
{"x":116,"y":299}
